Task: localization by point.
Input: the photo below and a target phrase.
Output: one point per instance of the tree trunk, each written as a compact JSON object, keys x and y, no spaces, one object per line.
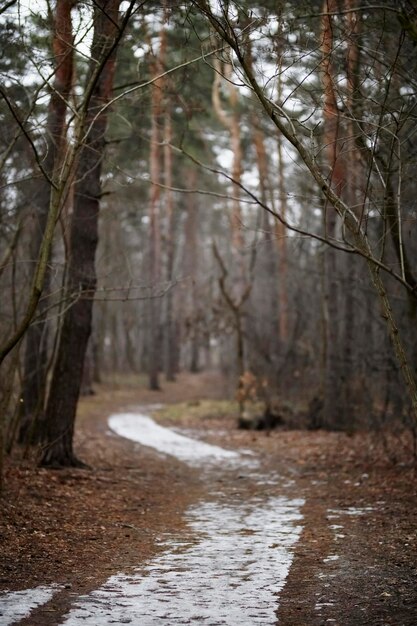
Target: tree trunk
{"x":231,"y":121}
{"x":76,"y":327}
{"x":236,"y":292}
{"x":283,"y":207}
{"x":265,"y":292}
{"x":331,"y":408}
{"x":282,"y":249}
{"x":36,"y":352}
{"x":351,"y":196}
{"x":169,"y":327}
{"x":154,"y":312}
{"x":191,"y":269}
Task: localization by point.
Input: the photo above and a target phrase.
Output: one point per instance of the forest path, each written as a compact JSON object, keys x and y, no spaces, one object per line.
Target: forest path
{"x":226,"y":566}
{"x":143,"y":526}
{"x":231,"y":561}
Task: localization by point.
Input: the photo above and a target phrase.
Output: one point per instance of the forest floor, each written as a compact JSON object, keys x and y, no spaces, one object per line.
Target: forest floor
{"x":355,"y":563}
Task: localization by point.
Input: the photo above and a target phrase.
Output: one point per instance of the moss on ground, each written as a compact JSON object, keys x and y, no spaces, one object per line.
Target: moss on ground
{"x":184,"y":412}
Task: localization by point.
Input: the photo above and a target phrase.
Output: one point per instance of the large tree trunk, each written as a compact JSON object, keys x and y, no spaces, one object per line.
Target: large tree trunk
{"x":76,"y":327}
{"x":331,"y":296}
{"x":36,"y":353}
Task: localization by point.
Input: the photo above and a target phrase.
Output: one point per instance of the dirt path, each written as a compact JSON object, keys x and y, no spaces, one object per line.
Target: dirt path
{"x":354,"y":564}
{"x":228,"y":563}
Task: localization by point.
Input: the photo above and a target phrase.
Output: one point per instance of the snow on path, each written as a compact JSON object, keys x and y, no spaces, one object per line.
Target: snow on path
{"x":227,"y":570}
{"x":142,"y":429}
{"x":229,"y":574}
{"x":16,"y":605}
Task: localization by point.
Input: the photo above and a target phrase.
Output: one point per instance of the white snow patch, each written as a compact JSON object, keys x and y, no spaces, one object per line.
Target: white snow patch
{"x":142,"y":429}
{"x":15,"y":605}
{"x":321,"y":605}
{"x":331,"y":557}
{"x":230,"y":576}
{"x":351,"y":510}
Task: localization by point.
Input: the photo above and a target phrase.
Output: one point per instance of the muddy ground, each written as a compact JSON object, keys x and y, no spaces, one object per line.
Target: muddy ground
{"x":355,"y":563}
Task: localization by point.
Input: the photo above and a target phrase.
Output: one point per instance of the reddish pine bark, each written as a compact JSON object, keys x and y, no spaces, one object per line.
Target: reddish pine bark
{"x":154,"y":344}
{"x":351,"y":197}
{"x":169,"y":326}
{"x":35,"y":363}
{"x":331,"y":373}
{"x":76,"y":327}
